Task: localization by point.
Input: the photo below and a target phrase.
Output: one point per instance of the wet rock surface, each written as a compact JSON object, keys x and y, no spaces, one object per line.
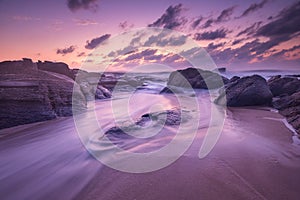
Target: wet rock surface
{"x":167,"y":118}
{"x":246,"y":91}
{"x":195,"y":78}
{"x":31,"y":95}
{"x":287,"y":98}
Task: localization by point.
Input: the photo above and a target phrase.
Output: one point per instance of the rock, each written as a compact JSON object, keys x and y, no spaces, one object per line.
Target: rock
{"x":102,"y":93}
{"x":196,"y":78}
{"x":220,"y":69}
{"x":167,"y":118}
{"x":57,"y":67}
{"x":92,"y":92}
{"x":233,"y":79}
{"x":31,"y":95}
{"x":166,"y":90}
{"x":246,"y":91}
{"x":289,"y":107}
{"x":280,"y":86}
{"x":17,"y":67}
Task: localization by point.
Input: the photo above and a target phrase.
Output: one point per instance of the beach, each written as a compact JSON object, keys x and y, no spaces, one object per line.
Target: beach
{"x":254,"y":158}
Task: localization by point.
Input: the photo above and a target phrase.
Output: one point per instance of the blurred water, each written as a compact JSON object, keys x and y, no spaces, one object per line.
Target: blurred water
{"x":48,"y":161}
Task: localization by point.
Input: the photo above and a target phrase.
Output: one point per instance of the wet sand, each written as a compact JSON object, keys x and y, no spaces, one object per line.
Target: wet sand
{"x":254,"y":158}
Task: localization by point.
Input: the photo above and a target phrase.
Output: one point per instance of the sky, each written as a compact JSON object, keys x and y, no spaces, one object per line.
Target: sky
{"x":237,"y":34}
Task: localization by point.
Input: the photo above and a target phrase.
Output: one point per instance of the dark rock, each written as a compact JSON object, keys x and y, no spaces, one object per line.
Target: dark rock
{"x":31,"y":95}
{"x":233,"y":79}
{"x":36,"y":96}
{"x":289,"y":107}
{"x":167,"y":117}
{"x":166,"y":90}
{"x":17,"y":67}
{"x":57,"y":67}
{"x":92,"y":92}
{"x":246,"y":91}
{"x":196,"y":78}
{"x":220,"y":69}
{"x":280,"y":86}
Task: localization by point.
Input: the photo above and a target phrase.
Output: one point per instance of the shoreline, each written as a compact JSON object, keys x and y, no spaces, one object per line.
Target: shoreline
{"x":248,"y":162}
{"x":253,"y":156}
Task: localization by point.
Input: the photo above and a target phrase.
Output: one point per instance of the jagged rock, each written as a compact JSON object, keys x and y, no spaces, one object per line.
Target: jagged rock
{"x":289,"y":107}
{"x":280,"y":86}
{"x":166,"y":90}
{"x":167,"y":117}
{"x":57,"y":67}
{"x":92,"y":92}
{"x":233,"y":79}
{"x":17,"y":67}
{"x":246,"y":91}
{"x":31,"y":95}
{"x":196,"y":78}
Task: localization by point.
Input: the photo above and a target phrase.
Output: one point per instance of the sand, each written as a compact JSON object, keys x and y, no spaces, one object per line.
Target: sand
{"x":255,"y":158}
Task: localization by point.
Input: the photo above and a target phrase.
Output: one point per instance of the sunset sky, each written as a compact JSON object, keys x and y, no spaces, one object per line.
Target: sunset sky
{"x":238,"y":34}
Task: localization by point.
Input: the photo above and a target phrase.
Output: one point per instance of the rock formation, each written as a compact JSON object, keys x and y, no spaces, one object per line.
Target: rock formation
{"x":246,"y":91}
{"x":287,"y":98}
{"x":194,"y":78}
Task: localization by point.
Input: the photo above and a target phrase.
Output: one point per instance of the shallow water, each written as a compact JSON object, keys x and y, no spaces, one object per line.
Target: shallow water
{"x":48,"y":160}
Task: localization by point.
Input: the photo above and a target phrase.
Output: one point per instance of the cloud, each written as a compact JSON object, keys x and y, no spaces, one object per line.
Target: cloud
{"x":170,"y":19}
{"x":96,"y":41}
{"x":253,"y":7}
{"x":24,"y":18}
{"x":286,"y":24}
{"x":208,"y":23}
{"x":66,"y":50}
{"x":282,"y":52}
{"x":84,"y":22}
{"x":212,"y":46}
{"x":146,"y":54}
{"x":161,"y":41}
{"x":81,"y":54}
{"x":225,"y":15}
{"x":211,"y":35}
{"x":197,"y":22}
{"x":238,"y":41}
{"x":125,"y":25}
{"x":250,"y":30}
{"x":75,"y":5}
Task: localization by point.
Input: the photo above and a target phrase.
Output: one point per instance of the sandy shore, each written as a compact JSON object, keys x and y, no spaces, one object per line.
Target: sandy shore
{"x":255,"y":158}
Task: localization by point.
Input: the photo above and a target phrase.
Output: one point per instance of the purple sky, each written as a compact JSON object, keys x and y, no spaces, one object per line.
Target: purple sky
{"x":239,"y":34}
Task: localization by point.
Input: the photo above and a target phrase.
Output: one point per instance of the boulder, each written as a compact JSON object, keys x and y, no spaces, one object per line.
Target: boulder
{"x":289,"y":107}
{"x":196,"y":78}
{"x":17,"y":67}
{"x":246,"y":91}
{"x":31,"y":95}
{"x":234,"y":78}
{"x":57,"y":67}
{"x":92,"y":92}
{"x":280,"y":86}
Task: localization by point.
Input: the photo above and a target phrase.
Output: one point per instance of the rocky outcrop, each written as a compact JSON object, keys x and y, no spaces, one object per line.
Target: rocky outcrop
{"x":92,"y":92}
{"x":57,"y":67}
{"x":17,"y":67}
{"x":287,"y":98}
{"x":246,"y":91}
{"x":280,"y":86}
{"x":168,"y":118}
{"x":30,"y":95}
{"x":194,"y":78}
{"x":197,"y":78}
{"x":289,"y":107}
